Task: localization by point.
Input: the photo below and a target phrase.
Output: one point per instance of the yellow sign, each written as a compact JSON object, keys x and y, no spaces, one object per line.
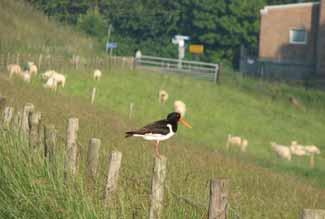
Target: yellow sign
{"x":196,"y":48}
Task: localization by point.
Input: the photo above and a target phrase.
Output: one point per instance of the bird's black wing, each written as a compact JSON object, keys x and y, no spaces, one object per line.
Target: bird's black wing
{"x":158,"y":127}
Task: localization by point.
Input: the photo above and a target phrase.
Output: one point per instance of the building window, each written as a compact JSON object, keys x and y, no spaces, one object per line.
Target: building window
{"x":298,"y":36}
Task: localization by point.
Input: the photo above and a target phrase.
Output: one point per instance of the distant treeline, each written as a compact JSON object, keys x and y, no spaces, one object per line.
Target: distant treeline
{"x":220,"y":25}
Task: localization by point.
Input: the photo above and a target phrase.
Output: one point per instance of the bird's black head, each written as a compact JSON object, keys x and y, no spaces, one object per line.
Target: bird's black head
{"x":173,"y":117}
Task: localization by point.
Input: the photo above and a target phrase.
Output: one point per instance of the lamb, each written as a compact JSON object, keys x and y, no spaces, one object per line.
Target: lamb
{"x":163,"y":96}
{"x":180,"y":107}
{"x":237,"y":141}
{"x":26,"y":75}
{"x":60,"y":78}
{"x":13,"y":69}
{"x":297,"y":149}
{"x":51,"y":84}
{"x":282,"y":151}
{"x":311,"y":149}
{"x":32,"y":68}
{"x":97,"y":74}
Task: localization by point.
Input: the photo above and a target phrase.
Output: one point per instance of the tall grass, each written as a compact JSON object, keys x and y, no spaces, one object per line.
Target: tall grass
{"x":26,"y":30}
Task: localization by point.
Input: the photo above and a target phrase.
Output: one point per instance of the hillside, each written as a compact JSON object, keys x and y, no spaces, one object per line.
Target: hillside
{"x":23,"y":29}
{"x":262,"y":185}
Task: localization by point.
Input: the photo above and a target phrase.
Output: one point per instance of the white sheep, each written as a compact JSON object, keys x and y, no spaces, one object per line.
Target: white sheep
{"x":180,"y":107}
{"x":297,"y":149}
{"x":51,"y":83}
{"x":32,"y":68}
{"x":60,"y":78}
{"x":163,"y":96}
{"x":312,"y":149}
{"x":14,"y":69}
{"x":237,"y":141}
{"x":97,"y":74}
{"x":46,"y":75}
{"x":281,"y":150}
{"x":26,"y":75}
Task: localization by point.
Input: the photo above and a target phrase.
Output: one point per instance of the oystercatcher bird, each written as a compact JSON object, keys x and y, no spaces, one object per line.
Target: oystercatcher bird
{"x":160,"y":130}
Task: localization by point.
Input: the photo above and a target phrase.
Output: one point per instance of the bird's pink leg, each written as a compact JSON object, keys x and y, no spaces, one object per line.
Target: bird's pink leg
{"x":157,"y":149}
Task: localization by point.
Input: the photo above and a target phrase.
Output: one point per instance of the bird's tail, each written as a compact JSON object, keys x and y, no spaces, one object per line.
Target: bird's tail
{"x":129,"y":134}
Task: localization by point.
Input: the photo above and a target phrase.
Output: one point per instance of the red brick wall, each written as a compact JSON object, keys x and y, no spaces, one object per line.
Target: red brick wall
{"x":321,"y":40}
{"x":276,"y":23}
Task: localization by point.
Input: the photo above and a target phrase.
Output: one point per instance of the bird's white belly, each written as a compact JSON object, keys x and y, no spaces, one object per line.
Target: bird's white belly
{"x":156,"y":136}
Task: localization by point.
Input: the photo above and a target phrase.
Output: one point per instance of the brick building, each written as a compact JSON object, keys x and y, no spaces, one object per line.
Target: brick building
{"x":294,"y":34}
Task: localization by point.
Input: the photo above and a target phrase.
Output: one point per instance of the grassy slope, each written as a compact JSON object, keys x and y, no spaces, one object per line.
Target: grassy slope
{"x":238,"y":106}
{"x":26,"y":30}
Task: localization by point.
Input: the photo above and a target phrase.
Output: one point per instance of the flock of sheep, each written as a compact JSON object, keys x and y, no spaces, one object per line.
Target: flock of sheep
{"x":51,"y":78}
{"x":282,"y":151}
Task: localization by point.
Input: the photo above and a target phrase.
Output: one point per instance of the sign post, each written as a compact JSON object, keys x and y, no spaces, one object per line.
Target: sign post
{"x":180,"y":41}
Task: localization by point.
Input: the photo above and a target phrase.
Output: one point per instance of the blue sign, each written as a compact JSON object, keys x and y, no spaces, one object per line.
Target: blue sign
{"x":112,"y":45}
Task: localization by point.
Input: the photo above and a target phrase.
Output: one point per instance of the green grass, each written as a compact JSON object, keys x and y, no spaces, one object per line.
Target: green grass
{"x":246,"y":108}
{"x":262,"y":186}
{"x":26,"y":30}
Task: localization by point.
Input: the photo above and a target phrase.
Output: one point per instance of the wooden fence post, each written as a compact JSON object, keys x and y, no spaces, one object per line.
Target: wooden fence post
{"x":7,"y":117}
{"x":313,"y":214}
{"x":40,"y":58}
{"x":93,"y":157}
{"x":112,"y":176}
{"x":312,"y":161}
{"x":28,"y":109}
{"x":131,"y":109}
{"x":70,"y":164}
{"x":49,"y":142}
{"x":218,"y":205}
{"x":157,"y":187}
{"x":17,"y":122}
{"x":93,"y":94}
{"x":34,"y":132}
{"x":17,"y":59}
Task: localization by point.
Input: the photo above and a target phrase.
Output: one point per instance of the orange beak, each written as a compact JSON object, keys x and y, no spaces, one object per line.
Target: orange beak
{"x":185,"y":123}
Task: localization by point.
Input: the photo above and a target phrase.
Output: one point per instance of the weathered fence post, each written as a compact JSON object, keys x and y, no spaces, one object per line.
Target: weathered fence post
{"x":218,"y":205}
{"x":17,"y":122}
{"x":28,"y":109}
{"x":157,"y":187}
{"x":17,"y":58}
{"x":49,"y":142}
{"x":131,"y":108}
{"x":312,"y":161}
{"x":7,"y":117}
{"x":313,"y":214}
{"x":40,"y":58}
{"x":93,"y":95}
{"x":70,"y":164}
{"x":93,"y":157}
{"x":113,"y":174}
{"x":34,"y":132}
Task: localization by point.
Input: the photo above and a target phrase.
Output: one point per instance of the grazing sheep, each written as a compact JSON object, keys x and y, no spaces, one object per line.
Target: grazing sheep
{"x":46,"y":75}
{"x":51,"y":84}
{"x":163,"y":96}
{"x":311,"y":149}
{"x":180,"y":107}
{"x":297,"y":149}
{"x":237,"y":141}
{"x":97,"y":74}
{"x":13,"y":69}
{"x":32,"y":68}
{"x":26,"y":75}
{"x":281,"y":150}
{"x":60,"y":78}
